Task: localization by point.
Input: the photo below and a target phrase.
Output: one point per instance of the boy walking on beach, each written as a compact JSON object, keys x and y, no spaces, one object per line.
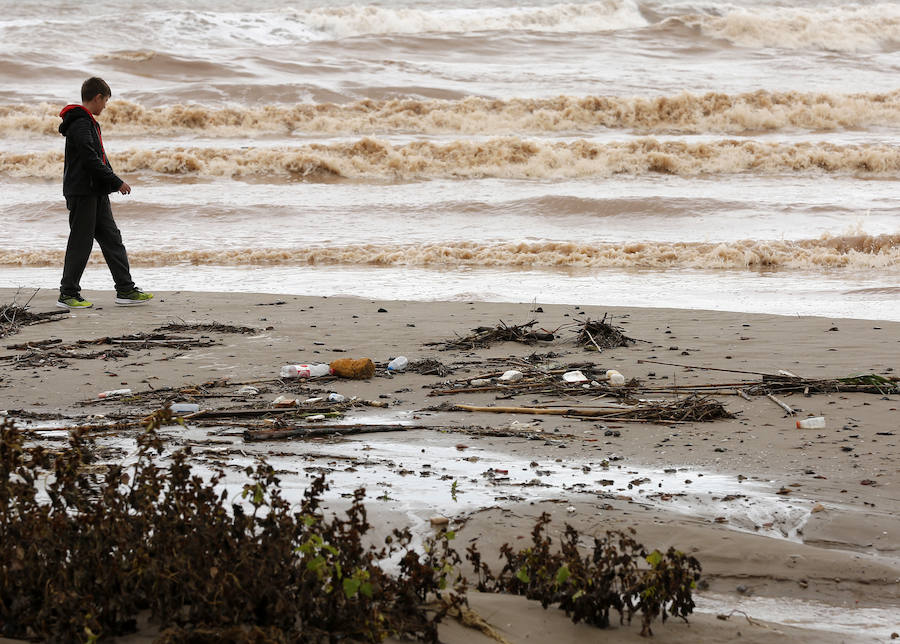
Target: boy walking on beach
{"x":88,"y":180}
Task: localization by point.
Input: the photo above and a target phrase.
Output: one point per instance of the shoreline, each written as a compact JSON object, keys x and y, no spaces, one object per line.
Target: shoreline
{"x":847,"y":553}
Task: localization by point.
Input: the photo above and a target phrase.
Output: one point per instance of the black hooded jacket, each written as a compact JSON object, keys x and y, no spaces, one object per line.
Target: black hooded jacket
{"x":87,"y":170}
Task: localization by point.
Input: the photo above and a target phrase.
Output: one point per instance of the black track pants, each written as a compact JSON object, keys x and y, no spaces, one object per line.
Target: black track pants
{"x":90,"y":218}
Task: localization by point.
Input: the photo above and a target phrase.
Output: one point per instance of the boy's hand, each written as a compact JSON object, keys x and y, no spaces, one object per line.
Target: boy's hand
{"x":125,"y":189}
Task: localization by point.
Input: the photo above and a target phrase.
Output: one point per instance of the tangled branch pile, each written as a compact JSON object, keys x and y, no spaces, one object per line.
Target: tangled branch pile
{"x":14,"y":317}
{"x":602,"y":335}
{"x":217,"y":327}
{"x":483,"y":336}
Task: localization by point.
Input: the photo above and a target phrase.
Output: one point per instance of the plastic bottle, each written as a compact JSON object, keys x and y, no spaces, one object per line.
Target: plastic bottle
{"x":816,"y":422}
{"x":305,"y":370}
{"x":398,"y":364}
{"x":184,"y":408}
{"x":335,"y":397}
{"x":615,"y":378}
{"x":113,"y":392}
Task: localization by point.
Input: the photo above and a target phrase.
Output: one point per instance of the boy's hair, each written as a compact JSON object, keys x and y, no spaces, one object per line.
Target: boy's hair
{"x":93,"y":86}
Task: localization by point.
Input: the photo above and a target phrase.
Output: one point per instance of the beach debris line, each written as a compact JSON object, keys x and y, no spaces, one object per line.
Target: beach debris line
{"x":787,"y":382}
{"x":206,"y":563}
{"x":180,"y":326}
{"x":689,"y":409}
{"x":483,"y":336}
{"x":13,"y":317}
{"x":329,"y":429}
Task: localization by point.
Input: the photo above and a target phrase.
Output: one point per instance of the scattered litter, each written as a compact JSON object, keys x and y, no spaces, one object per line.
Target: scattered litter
{"x":816,"y":422}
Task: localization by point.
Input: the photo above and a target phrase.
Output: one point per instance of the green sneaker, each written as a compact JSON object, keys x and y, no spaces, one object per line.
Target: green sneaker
{"x":76,"y":302}
{"x":133,"y":297}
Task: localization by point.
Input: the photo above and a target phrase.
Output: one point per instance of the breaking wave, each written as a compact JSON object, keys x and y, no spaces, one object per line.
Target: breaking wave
{"x":510,"y":158}
{"x":848,"y":28}
{"x":684,"y":113}
{"x":355,"y":20}
{"x":857,"y":252}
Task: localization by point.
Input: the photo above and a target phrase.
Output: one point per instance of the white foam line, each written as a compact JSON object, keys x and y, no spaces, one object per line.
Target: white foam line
{"x":860,"y":624}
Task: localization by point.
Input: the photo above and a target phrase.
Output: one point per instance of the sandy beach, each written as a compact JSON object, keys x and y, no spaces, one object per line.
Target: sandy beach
{"x":796,"y":529}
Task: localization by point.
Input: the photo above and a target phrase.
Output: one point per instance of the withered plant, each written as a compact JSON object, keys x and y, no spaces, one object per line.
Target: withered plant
{"x":617,"y":574}
{"x":84,"y":552}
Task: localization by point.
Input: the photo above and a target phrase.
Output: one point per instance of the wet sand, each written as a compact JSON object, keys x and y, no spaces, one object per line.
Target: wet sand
{"x":807,"y":518}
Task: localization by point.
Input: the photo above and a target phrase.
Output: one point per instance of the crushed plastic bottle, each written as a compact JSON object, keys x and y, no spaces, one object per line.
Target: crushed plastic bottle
{"x":398,"y":364}
{"x":113,"y":392}
{"x":184,"y":408}
{"x":335,"y":397}
{"x":816,"y":422}
{"x":305,"y":371}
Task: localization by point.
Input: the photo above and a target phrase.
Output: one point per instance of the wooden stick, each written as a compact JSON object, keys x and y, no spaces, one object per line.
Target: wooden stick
{"x":226,"y":413}
{"x":688,"y":366}
{"x":541,"y":411}
{"x":784,"y":406}
{"x":326,"y":430}
{"x":599,"y":350}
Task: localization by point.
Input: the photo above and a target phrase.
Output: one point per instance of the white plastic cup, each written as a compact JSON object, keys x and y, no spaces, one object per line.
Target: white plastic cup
{"x":816,"y":422}
{"x":398,"y":364}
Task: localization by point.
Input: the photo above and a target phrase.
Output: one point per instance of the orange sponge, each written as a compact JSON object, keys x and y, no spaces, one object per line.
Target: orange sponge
{"x":355,"y":369}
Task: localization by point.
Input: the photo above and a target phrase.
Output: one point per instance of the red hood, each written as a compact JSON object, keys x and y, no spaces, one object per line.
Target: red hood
{"x":69,"y":108}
